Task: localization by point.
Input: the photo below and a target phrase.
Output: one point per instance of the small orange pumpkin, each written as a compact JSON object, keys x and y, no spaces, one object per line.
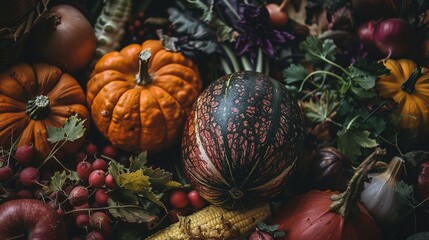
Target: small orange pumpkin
{"x":140,"y":96}
{"x":408,"y":85}
{"x":33,"y":97}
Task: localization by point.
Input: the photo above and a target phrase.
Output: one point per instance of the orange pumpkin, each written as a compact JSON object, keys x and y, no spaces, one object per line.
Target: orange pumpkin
{"x":140,"y":96}
{"x":33,"y":97}
{"x":408,"y":85}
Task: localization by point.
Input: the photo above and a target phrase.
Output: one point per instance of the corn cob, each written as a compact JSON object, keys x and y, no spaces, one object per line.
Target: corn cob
{"x":214,"y":222}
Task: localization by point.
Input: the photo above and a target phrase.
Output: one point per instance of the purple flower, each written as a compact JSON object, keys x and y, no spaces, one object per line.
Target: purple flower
{"x":257,"y":31}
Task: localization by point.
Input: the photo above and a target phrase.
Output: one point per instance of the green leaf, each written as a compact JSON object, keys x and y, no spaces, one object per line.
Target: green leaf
{"x":132,"y":214}
{"x":116,"y":169}
{"x":72,"y":129}
{"x":316,"y":51}
{"x":371,"y":68}
{"x":207,"y":14}
{"x":58,"y":180}
{"x":405,"y":194}
{"x":138,"y":162}
{"x":378,"y":124}
{"x":158,"y":177}
{"x":362,"y":79}
{"x":151,"y":196}
{"x":294,"y":73}
{"x":134,"y":181}
{"x":416,"y":157}
{"x":224,"y":32}
{"x":361,"y":93}
{"x":124,"y":196}
{"x":351,"y":140}
{"x":322,"y":110}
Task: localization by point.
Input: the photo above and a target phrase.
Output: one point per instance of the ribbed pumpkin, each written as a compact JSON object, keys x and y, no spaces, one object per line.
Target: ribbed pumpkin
{"x":140,"y":96}
{"x":408,"y":85}
{"x":242,"y":140}
{"x":33,"y":97}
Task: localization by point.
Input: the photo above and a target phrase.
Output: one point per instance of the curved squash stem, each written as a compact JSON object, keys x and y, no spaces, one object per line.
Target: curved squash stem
{"x":319,"y":72}
{"x":232,"y":57}
{"x":260,"y":61}
{"x":409,"y":85}
{"x":225,"y":66}
{"x":345,"y":203}
{"x":246,"y":64}
{"x":143,"y":78}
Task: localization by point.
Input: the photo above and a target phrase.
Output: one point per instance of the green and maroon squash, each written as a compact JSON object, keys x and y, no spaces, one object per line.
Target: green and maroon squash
{"x":242,"y":140}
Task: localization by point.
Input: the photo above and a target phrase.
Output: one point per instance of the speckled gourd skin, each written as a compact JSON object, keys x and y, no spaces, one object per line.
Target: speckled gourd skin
{"x":242,"y":140}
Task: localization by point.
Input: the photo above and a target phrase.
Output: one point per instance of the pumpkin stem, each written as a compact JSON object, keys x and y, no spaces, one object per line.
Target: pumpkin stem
{"x":345,"y":203}
{"x":38,"y":108}
{"x":408,"y":86}
{"x":143,"y":77}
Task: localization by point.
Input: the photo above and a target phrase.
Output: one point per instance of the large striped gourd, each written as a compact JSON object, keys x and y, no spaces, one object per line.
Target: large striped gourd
{"x":242,"y":139}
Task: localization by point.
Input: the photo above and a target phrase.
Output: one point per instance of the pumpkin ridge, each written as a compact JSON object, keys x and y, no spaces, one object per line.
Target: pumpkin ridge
{"x":17,"y":77}
{"x":100,"y":80}
{"x":172,"y":96}
{"x":27,"y":134}
{"x":44,"y":71}
{"x":120,"y":111}
{"x":185,"y":72}
{"x":175,"y":121}
{"x":165,"y":58}
{"x":11,"y":105}
{"x":7,"y":127}
{"x":163,"y":114}
{"x":184,"y":78}
{"x":94,"y":113}
{"x":65,"y":110}
{"x":418,"y":116}
{"x":163,"y":80}
{"x":66,"y":91}
{"x":37,"y":80}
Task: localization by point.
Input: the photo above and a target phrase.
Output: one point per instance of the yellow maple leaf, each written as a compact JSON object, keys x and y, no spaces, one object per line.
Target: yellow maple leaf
{"x":134,"y":181}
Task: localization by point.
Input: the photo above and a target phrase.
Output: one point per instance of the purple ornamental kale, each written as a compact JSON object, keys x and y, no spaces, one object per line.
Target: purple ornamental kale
{"x":257,"y":32}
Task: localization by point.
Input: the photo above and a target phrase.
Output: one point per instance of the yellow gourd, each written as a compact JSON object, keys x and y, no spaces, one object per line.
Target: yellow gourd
{"x":408,"y":85}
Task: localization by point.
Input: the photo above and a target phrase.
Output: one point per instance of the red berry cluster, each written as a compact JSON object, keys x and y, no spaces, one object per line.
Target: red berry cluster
{"x":136,"y":28}
{"x":89,"y":198}
{"x":18,"y":173}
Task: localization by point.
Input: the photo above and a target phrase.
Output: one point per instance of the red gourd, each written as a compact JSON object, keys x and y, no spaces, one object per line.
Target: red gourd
{"x":324,"y":215}
{"x":242,"y":140}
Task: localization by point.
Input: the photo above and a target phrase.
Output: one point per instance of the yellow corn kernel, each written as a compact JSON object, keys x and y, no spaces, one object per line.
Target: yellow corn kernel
{"x":214,"y":222}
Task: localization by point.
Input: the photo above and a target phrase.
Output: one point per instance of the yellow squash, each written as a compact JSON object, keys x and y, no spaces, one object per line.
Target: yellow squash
{"x":408,"y":85}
